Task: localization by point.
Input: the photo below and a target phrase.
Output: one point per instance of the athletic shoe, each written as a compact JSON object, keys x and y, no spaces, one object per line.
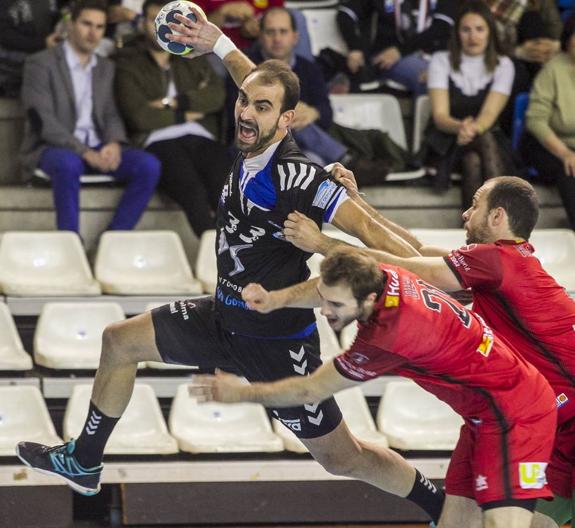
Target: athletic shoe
{"x":60,"y":461}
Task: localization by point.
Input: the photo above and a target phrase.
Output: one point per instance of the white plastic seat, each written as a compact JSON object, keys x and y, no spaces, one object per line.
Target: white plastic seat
{"x":421,"y":118}
{"x":69,"y":335}
{"x":24,"y":416}
{"x":12,"y":353}
{"x":347,"y":335}
{"x":220,"y":427}
{"x":555,"y":248}
{"x":141,"y":430}
{"x":356,"y":414}
{"x":414,"y":419}
{"x":323,"y":30}
{"x":379,"y":111}
{"x":206,"y":262}
{"x":144,"y":263}
{"x":44,"y":263}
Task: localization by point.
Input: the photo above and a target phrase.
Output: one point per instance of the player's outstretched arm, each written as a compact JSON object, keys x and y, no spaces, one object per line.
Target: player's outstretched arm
{"x":302,"y":295}
{"x":206,"y":37}
{"x":289,"y":392}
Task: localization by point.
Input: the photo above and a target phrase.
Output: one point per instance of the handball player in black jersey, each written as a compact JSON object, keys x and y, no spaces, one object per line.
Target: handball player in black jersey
{"x":270,"y":179}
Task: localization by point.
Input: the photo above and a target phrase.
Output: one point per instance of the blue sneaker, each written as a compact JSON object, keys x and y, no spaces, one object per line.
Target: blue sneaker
{"x":60,"y":461}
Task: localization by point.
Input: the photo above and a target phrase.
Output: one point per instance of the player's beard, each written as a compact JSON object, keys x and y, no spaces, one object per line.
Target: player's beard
{"x":361,"y":314}
{"x":478,"y":234}
{"x":262,"y":139}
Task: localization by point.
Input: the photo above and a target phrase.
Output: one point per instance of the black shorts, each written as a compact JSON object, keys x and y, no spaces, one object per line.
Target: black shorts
{"x":190,"y":333}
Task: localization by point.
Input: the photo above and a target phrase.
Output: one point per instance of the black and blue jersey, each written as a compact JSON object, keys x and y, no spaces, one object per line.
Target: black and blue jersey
{"x":259,"y":194}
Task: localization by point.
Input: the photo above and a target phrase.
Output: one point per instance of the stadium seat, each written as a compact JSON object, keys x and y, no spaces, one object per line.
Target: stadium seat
{"x":347,"y":335}
{"x":12,"y":353}
{"x":379,"y":111}
{"x":414,"y":419}
{"x":141,"y":430}
{"x":356,"y":414}
{"x":220,"y":428}
{"x":206,"y":263}
{"x":69,"y":335}
{"x":421,"y":118}
{"x":323,"y":30}
{"x":44,"y":263}
{"x":144,"y":263}
{"x":24,"y":416}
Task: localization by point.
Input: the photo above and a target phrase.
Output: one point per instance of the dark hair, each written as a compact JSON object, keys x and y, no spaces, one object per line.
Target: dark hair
{"x":567,"y":33}
{"x":274,"y":71}
{"x":519,"y":200}
{"x":354,"y":268}
{"x":273,"y":10}
{"x":148,"y":3}
{"x":80,"y":5}
{"x":493,"y":50}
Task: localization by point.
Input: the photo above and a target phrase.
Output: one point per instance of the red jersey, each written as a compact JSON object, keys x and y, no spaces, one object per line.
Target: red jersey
{"x":419,"y":332}
{"x":233,"y":28}
{"x":526,"y":307}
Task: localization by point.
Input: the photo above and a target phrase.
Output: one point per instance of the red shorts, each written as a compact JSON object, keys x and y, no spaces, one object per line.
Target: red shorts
{"x":490,"y":465}
{"x":561,"y":471}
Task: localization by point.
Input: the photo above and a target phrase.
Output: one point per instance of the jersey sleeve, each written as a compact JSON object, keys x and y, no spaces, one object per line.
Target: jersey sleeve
{"x":363,"y":361}
{"x":477,"y":266}
{"x":310,"y":191}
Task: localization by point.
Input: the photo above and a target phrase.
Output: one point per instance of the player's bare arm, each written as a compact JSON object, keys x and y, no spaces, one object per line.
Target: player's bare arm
{"x":204,"y":36}
{"x":288,"y":392}
{"x":302,"y":295}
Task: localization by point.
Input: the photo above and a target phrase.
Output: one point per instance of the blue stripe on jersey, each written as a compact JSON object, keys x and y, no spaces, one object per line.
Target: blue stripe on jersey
{"x":260,"y":189}
{"x":328,"y":213}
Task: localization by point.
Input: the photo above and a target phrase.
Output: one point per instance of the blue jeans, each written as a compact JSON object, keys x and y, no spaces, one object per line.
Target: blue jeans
{"x":139,"y":170}
{"x":316,"y":140}
{"x":408,"y":71}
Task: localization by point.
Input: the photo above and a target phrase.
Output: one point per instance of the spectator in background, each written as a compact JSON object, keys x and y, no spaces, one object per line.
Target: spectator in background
{"x":313,"y":126}
{"x":174,"y":108}
{"x":550,"y":146}
{"x":125,"y":19}
{"x":26,"y":26}
{"x":469,"y":86}
{"x":73,"y":126}
{"x":406,"y":31}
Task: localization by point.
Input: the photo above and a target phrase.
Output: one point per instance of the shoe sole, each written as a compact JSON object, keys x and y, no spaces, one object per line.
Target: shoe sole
{"x":88,"y":492}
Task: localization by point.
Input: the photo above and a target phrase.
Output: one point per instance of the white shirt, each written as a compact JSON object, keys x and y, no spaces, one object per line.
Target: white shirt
{"x":85,"y":130}
{"x":472,"y":76}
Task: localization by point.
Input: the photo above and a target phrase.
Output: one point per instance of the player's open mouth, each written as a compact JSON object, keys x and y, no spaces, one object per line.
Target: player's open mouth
{"x":247,"y":133}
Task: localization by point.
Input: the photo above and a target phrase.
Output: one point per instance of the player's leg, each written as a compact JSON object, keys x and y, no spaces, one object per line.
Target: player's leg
{"x":181,"y":329}
{"x":509,"y":517}
{"x":460,"y":511}
{"x":340,"y":453}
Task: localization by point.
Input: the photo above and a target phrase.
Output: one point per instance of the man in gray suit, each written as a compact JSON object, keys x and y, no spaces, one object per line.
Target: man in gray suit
{"x":73,"y":126}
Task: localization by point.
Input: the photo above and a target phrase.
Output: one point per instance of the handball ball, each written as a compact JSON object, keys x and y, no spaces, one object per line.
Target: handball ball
{"x":167,"y":15}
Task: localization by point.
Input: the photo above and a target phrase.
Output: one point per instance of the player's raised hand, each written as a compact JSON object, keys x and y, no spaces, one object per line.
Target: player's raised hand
{"x":201,"y":34}
{"x":343,"y":176}
{"x":303,"y":233}
{"x":221,"y":387}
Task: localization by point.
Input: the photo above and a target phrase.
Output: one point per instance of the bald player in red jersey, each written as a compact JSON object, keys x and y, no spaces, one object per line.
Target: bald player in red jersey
{"x":515,"y":296}
{"x":410,"y":328}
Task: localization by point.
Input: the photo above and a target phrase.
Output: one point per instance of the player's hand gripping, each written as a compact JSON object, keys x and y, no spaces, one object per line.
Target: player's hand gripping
{"x":259,"y":299}
{"x":344,"y":177}
{"x":304,"y":234}
{"x":221,"y":387}
{"x":201,"y":34}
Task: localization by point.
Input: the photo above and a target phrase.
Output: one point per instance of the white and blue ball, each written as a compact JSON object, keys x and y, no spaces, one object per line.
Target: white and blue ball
{"x":167,"y":15}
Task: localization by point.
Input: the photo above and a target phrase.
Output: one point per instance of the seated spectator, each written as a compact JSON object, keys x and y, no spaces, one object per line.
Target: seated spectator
{"x":26,"y":26}
{"x":124,"y":19}
{"x":174,"y":108}
{"x":73,"y":126}
{"x":550,"y":146}
{"x":313,"y":126}
{"x":469,"y":86}
{"x":406,"y":31}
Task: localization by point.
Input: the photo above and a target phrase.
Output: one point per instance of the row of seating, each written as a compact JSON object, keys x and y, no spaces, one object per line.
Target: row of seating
{"x":408,"y":418}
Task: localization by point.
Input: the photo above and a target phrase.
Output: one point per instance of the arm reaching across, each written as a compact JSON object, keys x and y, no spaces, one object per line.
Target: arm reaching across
{"x":288,"y":392}
{"x":302,"y":295}
{"x":206,"y":37}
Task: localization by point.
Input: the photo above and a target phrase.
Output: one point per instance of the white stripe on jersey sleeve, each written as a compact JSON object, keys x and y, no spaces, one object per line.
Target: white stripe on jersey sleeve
{"x":309,"y":179}
{"x":292,"y":173}
{"x":282,"y":177}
